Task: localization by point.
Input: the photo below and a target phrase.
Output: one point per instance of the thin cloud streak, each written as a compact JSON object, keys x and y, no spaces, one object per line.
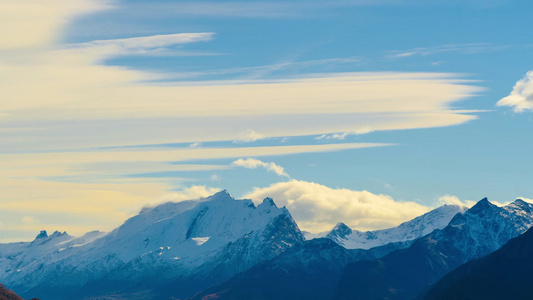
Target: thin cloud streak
{"x":146,"y":45}
{"x":471,"y":48}
{"x":251,"y":163}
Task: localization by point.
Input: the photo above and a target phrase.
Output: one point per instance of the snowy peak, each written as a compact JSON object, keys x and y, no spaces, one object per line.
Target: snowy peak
{"x":340,"y":231}
{"x":520,"y":204}
{"x":486,"y":227}
{"x":53,"y":239}
{"x":408,"y":231}
{"x":481,"y":206}
{"x":43,"y":234}
{"x":211,"y":238}
{"x":268,"y":202}
{"x":215,"y":221}
{"x":219,"y":196}
{"x":170,"y":208}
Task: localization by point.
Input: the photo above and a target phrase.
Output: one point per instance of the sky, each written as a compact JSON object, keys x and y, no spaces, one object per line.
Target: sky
{"x":357,"y":111}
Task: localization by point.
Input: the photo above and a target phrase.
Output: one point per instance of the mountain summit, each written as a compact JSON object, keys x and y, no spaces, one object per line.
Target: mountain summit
{"x":179,"y":248}
{"x":407,"y":231}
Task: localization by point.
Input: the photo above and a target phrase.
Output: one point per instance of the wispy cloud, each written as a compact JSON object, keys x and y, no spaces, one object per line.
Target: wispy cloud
{"x":58,"y":85}
{"x":59,"y":98}
{"x":453,"y":200}
{"x":471,"y":48}
{"x":79,"y":95}
{"x":251,"y":163}
{"x":248,"y":136}
{"x":147,"y":45}
{"x":343,"y":135}
{"x":521,"y":98}
{"x":189,"y":193}
{"x":257,"y":72}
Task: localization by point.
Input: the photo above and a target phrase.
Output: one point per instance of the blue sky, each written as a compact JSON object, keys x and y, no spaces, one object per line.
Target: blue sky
{"x":366,"y":112}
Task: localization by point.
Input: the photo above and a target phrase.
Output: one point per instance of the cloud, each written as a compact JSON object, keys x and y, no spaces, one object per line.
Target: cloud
{"x":80,"y":191}
{"x":60,"y":100}
{"x":251,"y":163}
{"x":35,"y":23}
{"x":150,"y":42}
{"x":509,"y":202}
{"x":28,"y":220}
{"x":259,"y":71}
{"x":448,"y":199}
{"x":191,"y":193}
{"x":317,"y":208}
{"x":63,"y":96}
{"x":154,"y":44}
{"x":521,"y":98}
{"x":343,"y":135}
{"x":52,"y":95}
{"x":471,"y":48}
{"x":526,"y":199}
{"x":453,"y":200}
{"x":248,"y":136}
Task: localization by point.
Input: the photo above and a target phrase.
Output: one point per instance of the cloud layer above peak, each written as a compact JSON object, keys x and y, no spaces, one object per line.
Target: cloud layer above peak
{"x":318,"y":208}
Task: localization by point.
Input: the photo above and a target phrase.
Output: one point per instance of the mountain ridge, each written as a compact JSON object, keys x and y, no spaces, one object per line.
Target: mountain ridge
{"x":177,"y":249}
{"x":403,"y":274}
{"x":503,"y":274}
{"x":189,"y":239}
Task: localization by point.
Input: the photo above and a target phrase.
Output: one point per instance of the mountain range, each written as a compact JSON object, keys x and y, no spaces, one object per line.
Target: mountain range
{"x":504,"y":274}
{"x":312,"y":270}
{"x":232,"y":249}
{"x":405,"y":273}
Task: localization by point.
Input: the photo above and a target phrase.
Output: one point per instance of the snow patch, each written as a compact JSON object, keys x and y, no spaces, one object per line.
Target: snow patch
{"x":200,"y":240}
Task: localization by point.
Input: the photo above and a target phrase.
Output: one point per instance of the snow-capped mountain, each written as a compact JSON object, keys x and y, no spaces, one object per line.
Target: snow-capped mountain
{"x":403,"y":274}
{"x":187,"y":245}
{"x":312,"y":270}
{"x":16,"y":256}
{"x":503,"y":274}
{"x":408,"y":231}
{"x":179,"y":249}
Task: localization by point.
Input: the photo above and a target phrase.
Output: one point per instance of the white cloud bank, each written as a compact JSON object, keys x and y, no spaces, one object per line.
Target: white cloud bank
{"x":521,"y":98}
{"x":317,"y":208}
{"x":37,"y":23}
{"x":251,"y":163}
